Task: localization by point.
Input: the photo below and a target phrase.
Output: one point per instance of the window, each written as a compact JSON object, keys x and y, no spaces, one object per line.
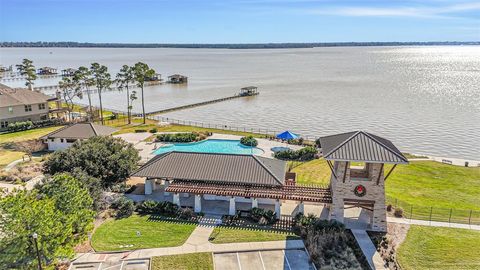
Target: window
{"x":52,"y":139}
{"x":28,"y":108}
{"x":359,"y":170}
{"x":61,"y":140}
{"x":71,"y":140}
{"x":10,"y":109}
{"x":41,"y":106}
{"x":43,"y":117}
{"x":4,"y":124}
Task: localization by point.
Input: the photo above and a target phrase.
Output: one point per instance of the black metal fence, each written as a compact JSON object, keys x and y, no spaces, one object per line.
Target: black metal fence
{"x":431,"y":213}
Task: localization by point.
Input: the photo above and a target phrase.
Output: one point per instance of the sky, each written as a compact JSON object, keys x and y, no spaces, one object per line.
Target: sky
{"x":239,"y":21}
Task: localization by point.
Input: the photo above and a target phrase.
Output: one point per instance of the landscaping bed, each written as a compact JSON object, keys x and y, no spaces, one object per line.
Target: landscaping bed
{"x":190,"y":261}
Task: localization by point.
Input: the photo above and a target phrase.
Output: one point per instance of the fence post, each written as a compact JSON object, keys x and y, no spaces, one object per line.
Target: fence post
{"x":470,"y":218}
{"x":450,"y":217}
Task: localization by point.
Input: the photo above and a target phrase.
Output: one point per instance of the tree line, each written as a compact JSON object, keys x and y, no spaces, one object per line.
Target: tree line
{"x":96,"y":77}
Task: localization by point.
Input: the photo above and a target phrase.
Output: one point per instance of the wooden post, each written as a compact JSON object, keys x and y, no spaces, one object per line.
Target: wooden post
{"x":450,"y":217}
{"x":470,"y":218}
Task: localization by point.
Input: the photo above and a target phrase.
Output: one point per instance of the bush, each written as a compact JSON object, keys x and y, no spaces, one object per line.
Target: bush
{"x":186,"y":213}
{"x":140,"y":130}
{"x":389,"y":208}
{"x":124,"y":207}
{"x":148,"y":207}
{"x":398,"y":212}
{"x":262,"y":216}
{"x":153,"y":130}
{"x":304,"y":154}
{"x":177,"y":137}
{"x":249,"y":141}
{"x":19,"y":126}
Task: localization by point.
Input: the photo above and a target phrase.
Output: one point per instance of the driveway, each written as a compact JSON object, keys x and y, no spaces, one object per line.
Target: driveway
{"x":292,"y":259}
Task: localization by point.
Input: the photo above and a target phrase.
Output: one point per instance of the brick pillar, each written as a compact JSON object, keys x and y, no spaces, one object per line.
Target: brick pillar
{"x":278,"y":209}
{"x":254,"y":202}
{"x":198,"y":203}
{"x":231,"y":208}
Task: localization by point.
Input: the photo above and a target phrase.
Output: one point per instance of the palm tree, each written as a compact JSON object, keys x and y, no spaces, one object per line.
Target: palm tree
{"x":142,"y":71}
{"x":102,"y":81}
{"x":125,"y":78}
{"x":27,"y":69}
{"x":84,"y":77}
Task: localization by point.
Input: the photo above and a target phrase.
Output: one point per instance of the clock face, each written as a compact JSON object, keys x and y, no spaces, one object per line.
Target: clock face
{"x":360,"y":191}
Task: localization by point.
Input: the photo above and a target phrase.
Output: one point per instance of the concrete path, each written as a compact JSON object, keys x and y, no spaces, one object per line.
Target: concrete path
{"x":12,"y":164}
{"x":432,"y":223}
{"x":28,"y":185}
{"x":373,"y":257}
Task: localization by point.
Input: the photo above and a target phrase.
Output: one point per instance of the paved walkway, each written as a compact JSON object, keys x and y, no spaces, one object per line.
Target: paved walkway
{"x":28,"y":185}
{"x":432,"y":223}
{"x":373,"y":257}
{"x":197,"y":242}
{"x":13,"y":164}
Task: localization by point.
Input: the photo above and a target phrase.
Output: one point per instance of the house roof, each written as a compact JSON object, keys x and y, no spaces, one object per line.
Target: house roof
{"x":176,"y":76}
{"x":20,"y":96}
{"x":81,"y":131}
{"x":360,"y":146}
{"x":249,"y":88}
{"x":215,"y":167}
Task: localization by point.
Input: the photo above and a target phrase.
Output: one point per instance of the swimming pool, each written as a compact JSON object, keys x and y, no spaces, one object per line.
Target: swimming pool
{"x":210,"y":146}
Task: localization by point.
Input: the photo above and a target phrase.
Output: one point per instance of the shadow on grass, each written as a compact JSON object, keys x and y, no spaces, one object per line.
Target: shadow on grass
{"x":172,"y":220}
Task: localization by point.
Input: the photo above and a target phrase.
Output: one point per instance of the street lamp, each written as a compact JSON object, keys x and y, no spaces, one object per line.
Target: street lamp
{"x":35,"y":236}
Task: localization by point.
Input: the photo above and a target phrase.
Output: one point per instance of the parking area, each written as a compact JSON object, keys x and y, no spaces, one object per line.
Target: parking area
{"x":141,"y":264}
{"x":291,"y":259}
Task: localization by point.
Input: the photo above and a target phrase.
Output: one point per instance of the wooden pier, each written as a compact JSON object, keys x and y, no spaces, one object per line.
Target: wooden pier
{"x":241,"y":94}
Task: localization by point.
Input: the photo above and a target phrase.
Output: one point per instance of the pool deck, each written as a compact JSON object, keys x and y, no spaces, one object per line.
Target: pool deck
{"x":146,"y":148}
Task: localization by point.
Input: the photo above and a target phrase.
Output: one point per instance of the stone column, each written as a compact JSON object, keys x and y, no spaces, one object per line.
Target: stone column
{"x":198,"y":203}
{"x":154,"y":184}
{"x":231,"y":209}
{"x":278,"y":209}
{"x":301,"y":208}
{"x":176,"y":199}
{"x":148,"y":186}
{"x":254,"y":202}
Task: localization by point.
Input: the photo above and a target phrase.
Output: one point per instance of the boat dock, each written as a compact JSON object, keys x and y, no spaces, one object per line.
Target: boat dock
{"x":244,"y":92}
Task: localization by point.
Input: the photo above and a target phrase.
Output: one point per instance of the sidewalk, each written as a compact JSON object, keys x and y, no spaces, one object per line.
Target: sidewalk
{"x":373,"y":257}
{"x":432,"y":223}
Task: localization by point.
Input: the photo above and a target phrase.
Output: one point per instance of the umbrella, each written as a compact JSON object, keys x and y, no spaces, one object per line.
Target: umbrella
{"x":287,"y":135}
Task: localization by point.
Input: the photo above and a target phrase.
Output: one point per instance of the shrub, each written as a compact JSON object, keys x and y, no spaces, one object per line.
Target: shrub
{"x":124,"y":207}
{"x":185,"y":213}
{"x":262,"y":216}
{"x":19,"y":126}
{"x":249,"y":141}
{"x":148,"y":207}
{"x":177,"y":137}
{"x":153,"y":130}
{"x":304,"y":154}
{"x":398,"y":212}
{"x":389,"y":208}
{"x":140,"y":130}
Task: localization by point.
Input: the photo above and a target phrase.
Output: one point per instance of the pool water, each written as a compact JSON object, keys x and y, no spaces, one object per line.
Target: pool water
{"x":210,"y":146}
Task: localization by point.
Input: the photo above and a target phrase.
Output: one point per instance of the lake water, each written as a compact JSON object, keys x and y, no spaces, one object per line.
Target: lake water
{"x":425,"y":99}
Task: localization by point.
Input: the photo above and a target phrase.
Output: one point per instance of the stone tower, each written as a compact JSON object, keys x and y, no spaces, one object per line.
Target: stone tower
{"x":357,"y":161}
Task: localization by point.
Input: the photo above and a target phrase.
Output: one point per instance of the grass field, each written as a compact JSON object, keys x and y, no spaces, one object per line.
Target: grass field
{"x":192,"y":261}
{"x":122,"y":234}
{"x":313,"y":172}
{"x":26,"y":134}
{"x":7,"y":156}
{"x":222,"y":234}
{"x":440,"y":248}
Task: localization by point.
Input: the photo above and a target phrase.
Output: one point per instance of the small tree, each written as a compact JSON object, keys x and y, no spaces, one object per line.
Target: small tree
{"x":142,"y":71}
{"x":124,"y":79}
{"x":70,"y":89}
{"x":28,"y":70}
{"x":109,"y":159}
{"x":102,"y":81}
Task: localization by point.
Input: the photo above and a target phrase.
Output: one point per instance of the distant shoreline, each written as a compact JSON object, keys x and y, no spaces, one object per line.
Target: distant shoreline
{"x":228,"y":46}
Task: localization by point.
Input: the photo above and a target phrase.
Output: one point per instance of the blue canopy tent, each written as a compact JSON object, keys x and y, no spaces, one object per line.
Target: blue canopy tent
{"x":287,"y":135}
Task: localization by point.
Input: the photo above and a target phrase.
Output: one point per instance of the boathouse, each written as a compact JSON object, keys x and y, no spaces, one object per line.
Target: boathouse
{"x":249,"y":91}
{"x":47,"y":71}
{"x":155,"y":78}
{"x":69,"y":72}
{"x":177,"y":78}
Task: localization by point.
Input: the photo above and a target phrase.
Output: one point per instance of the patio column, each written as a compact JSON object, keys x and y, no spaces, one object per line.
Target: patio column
{"x":148,"y":186}
{"x":198,"y":203}
{"x":231,"y":209}
{"x":254,"y":202}
{"x":278,"y":209}
{"x":301,"y":207}
{"x":176,"y":199}
{"x":166,"y":183}
{"x":154,"y":184}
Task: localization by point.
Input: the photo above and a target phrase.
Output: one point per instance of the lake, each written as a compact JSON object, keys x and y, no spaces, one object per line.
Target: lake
{"x":425,"y":99}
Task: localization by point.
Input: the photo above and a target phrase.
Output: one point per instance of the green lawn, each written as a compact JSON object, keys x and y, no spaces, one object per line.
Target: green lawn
{"x":222,"y":234}
{"x":120,"y":234}
{"x":429,"y":183}
{"x":7,"y":156}
{"x":440,"y":248}
{"x":26,"y":134}
{"x":197,"y":261}
{"x":313,"y":172}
